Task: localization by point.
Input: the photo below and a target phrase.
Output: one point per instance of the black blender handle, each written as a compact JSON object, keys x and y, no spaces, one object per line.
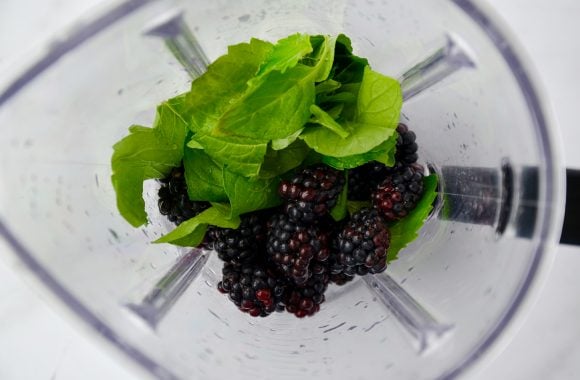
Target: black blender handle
{"x":571,"y":227}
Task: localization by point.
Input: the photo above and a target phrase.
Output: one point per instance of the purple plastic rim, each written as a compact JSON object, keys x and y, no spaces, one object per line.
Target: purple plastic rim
{"x":471,"y":9}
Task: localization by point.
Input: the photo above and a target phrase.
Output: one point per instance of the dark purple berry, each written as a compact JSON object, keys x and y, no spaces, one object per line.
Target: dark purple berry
{"x":311,"y":193}
{"x":174,"y":201}
{"x":362,"y":245}
{"x":399,"y":192}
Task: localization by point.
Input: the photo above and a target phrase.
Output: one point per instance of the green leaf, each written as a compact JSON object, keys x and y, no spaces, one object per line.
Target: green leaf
{"x":287,"y":95}
{"x":286,"y":53}
{"x":250,"y":194}
{"x":384,"y":153}
{"x":147,"y":153}
{"x":378,"y":108}
{"x":406,"y":230}
{"x":280,"y":144}
{"x":347,"y":67}
{"x":339,"y":211}
{"x":319,"y":116}
{"x":224,"y":82}
{"x":327,"y":86}
{"x":191,"y":232}
{"x":278,"y":162}
{"x":203,"y":176}
{"x":241,"y":155}
{"x":355,"y":206}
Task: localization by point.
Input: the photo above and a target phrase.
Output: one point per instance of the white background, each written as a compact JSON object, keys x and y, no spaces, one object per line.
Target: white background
{"x":37,"y":343}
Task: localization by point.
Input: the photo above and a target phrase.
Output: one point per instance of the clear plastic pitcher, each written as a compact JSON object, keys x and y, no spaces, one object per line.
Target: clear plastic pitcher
{"x":452,"y":294}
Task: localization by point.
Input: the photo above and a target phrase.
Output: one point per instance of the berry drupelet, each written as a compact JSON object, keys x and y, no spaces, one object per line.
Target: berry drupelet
{"x":242,"y":244}
{"x":311,"y":193}
{"x":363,"y":243}
{"x":399,"y":193}
{"x":292,"y":246}
{"x":406,"y":146}
{"x":304,"y":300}
{"x":174,"y":201}
{"x":253,"y":288}
{"x":364,"y":179}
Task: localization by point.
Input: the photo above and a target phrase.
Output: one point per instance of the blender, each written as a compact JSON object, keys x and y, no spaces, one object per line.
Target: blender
{"x":434,"y":313}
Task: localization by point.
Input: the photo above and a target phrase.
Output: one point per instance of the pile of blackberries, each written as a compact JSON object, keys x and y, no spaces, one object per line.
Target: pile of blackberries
{"x":284,"y":258}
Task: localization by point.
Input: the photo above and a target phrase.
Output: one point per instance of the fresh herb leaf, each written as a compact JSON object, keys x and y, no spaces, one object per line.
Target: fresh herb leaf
{"x":225,"y":81}
{"x":339,"y":211}
{"x":203,"y":176}
{"x":355,"y":206}
{"x":280,"y":144}
{"x":287,"y":95}
{"x":378,"y":107}
{"x":384,"y":153}
{"x":147,"y":153}
{"x":250,"y":194}
{"x":286,"y":53}
{"x":406,"y":230}
{"x":191,"y":232}
{"x":319,"y":116}
{"x":241,"y":155}
{"x":278,"y":162}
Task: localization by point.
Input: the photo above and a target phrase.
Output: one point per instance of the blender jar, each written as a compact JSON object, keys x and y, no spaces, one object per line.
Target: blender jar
{"x":452,"y":293}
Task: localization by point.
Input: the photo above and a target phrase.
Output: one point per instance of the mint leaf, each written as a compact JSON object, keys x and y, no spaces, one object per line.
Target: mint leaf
{"x":355,"y":206}
{"x":287,"y":95}
{"x":278,"y":162}
{"x":280,"y":144}
{"x":319,"y":116}
{"x":384,"y":153}
{"x":203,"y":176}
{"x":250,"y":194}
{"x":339,"y":211}
{"x":406,"y":230}
{"x":147,"y":153}
{"x":241,"y":155}
{"x":378,"y":108}
{"x":286,"y":53}
{"x":225,"y":81}
{"x":191,"y":232}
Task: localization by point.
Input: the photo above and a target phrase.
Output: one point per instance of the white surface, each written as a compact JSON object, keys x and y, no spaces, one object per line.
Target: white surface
{"x":36,"y":343}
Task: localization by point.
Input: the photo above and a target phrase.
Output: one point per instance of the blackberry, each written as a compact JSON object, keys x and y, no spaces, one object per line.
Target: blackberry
{"x":292,"y":246}
{"x":241,"y":244}
{"x":174,"y":201}
{"x":363,"y":243}
{"x":304,"y":300}
{"x":253,"y":287}
{"x":311,"y":193}
{"x":340,"y":278}
{"x":399,"y":193}
{"x":364,"y":179}
{"x":406,"y":146}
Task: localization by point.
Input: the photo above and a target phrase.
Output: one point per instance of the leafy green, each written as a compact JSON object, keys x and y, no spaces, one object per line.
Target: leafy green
{"x":406,"y":230}
{"x":147,"y":153}
{"x":384,"y":153}
{"x":327,"y":86}
{"x":241,"y":155}
{"x":225,"y":81}
{"x":286,"y":54}
{"x":278,"y":162}
{"x":280,"y":144}
{"x":355,"y":206}
{"x":339,"y":211}
{"x":320,"y":117}
{"x":203,"y":176}
{"x":250,"y":194}
{"x":378,"y":107}
{"x":191,"y":232}
{"x":347,"y":67}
